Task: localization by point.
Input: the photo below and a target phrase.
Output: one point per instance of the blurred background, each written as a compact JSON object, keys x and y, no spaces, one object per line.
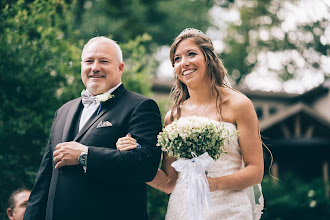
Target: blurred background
{"x":277,"y":52}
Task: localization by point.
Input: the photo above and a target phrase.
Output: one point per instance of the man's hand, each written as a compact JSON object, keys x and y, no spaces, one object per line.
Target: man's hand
{"x":67,"y":153}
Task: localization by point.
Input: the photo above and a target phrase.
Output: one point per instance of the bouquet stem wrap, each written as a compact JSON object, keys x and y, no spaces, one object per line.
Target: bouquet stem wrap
{"x":193,"y":173}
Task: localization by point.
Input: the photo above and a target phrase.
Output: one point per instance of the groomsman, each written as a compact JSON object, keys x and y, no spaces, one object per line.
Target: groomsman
{"x":82,"y":175}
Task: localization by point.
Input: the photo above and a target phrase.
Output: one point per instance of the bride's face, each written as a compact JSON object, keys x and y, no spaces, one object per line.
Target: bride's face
{"x":189,"y":63}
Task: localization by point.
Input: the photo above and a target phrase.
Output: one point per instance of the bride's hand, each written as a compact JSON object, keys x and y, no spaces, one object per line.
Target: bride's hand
{"x":127,"y":143}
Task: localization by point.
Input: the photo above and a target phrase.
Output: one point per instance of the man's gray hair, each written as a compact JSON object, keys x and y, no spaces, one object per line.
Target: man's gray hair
{"x":109,"y":41}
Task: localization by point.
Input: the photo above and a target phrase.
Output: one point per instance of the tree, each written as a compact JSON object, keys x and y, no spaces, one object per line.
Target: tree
{"x":40,"y":70}
{"x":265,"y":42}
{"x":37,"y":58}
{"x":127,"y":19}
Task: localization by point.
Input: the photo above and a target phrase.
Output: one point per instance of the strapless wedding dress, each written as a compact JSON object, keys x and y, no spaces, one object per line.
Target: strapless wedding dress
{"x":226,"y":205}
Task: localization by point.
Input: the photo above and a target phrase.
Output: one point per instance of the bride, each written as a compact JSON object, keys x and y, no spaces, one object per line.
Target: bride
{"x":201,"y":89}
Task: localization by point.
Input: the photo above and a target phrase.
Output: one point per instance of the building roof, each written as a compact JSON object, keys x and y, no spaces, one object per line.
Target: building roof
{"x":290,"y":111}
{"x":319,"y":90}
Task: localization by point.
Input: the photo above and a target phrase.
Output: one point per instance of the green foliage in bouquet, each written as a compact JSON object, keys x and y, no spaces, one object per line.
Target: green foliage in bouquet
{"x":194,"y":134}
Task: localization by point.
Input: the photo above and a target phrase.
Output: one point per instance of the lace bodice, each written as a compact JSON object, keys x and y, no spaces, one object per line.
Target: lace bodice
{"x":226,"y":205}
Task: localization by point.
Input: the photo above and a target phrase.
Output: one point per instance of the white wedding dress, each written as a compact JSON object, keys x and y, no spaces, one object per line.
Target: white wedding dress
{"x":226,"y":205}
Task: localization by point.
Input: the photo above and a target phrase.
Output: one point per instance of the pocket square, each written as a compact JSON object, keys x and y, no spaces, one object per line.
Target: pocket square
{"x":103,"y":124}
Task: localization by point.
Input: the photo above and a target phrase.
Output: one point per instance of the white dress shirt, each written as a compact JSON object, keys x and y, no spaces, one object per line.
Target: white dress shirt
{"x":90,"y":109}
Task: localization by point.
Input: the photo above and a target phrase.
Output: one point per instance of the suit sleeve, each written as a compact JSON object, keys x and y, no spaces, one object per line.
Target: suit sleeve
{"x":133,"y":166}
{"x":37,"y":204}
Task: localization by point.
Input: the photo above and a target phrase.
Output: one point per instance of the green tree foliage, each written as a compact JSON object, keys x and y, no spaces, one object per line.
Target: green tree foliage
{"x":294,"y":198}
{"x":40,"y":70}
{"x":37,"y":56}
{"x":139,"y":66}
{"x":126,"y":19}
{"x":262,"y":30}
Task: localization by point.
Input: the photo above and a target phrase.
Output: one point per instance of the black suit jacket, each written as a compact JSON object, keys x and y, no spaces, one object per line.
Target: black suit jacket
{"x":114,"y":185}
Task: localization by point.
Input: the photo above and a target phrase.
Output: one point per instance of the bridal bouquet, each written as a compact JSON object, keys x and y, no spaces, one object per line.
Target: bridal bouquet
{"x":195,"y":142}
{"x":193,"y":135}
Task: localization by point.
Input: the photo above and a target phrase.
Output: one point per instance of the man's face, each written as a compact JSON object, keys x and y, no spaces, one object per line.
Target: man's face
{"x":21,"y":199}
{"x":100,"y":68}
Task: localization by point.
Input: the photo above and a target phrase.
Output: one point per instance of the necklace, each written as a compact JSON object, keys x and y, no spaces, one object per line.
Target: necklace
{"x":203,"y":110}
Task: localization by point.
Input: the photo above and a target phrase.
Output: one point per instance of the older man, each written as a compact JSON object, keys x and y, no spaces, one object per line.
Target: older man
{"x":82,"y":175}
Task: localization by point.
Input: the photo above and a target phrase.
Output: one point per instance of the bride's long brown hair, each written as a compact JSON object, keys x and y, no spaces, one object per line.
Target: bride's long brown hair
{"x":214,"y":68}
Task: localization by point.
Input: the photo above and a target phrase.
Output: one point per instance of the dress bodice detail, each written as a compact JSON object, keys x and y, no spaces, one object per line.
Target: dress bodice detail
{"x":226,"y":205}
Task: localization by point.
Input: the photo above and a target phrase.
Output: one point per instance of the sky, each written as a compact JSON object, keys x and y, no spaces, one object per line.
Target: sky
{"x":263,"y":77}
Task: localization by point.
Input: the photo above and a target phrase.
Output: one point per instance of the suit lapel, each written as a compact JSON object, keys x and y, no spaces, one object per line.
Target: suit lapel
{"x":72,"y":119}
{"x":106,"y":106}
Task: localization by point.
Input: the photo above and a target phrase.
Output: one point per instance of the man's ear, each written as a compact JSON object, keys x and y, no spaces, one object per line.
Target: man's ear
{"x":10,"y":213}
{"x":121,"y":68}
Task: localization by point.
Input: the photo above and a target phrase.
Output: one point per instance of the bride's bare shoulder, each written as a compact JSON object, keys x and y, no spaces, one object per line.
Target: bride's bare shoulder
{"x":167,"y":118}
{"x":237,"y":98}
{"x":237,"y":102}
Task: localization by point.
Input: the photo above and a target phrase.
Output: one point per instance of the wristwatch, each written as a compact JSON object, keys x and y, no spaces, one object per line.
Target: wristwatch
{"x":83,"y":158}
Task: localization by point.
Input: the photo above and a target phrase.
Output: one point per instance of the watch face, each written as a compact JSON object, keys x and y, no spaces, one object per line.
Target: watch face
{"x":82,"y":159}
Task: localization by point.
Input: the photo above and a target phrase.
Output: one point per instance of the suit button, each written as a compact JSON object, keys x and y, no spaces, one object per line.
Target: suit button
{"x":61,"y":170}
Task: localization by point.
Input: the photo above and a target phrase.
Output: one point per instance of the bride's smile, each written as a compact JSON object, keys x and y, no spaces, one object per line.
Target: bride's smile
{"x":188,"y":72}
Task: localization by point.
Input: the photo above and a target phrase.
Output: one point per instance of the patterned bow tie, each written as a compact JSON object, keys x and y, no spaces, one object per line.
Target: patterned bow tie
{"x":87,"y":99}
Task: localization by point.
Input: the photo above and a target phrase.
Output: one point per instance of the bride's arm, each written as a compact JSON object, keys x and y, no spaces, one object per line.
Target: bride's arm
{"x":166,"y":177}
{"x":251,"y":148}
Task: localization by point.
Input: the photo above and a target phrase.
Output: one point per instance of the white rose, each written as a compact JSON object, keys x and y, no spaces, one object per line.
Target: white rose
{"x":103,"y":97}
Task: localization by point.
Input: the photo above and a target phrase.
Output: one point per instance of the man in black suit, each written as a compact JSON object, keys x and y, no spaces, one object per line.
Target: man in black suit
{"x":82,"y":175}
